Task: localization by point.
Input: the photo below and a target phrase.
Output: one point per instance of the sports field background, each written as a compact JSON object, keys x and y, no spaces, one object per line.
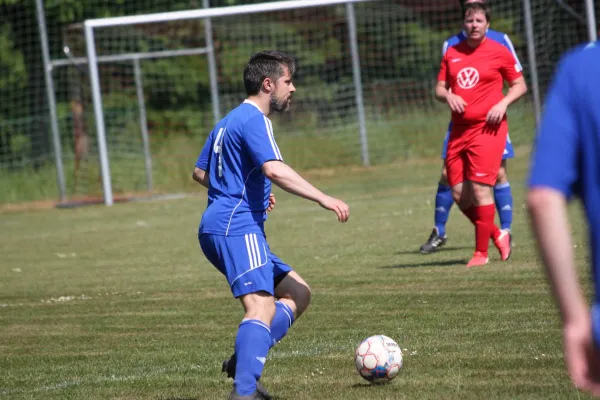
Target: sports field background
{"x":119,"y":303}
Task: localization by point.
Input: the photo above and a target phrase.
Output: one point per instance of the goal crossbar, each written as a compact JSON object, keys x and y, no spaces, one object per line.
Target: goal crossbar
{"x":214,"y":12}
{"x":205,"y":13}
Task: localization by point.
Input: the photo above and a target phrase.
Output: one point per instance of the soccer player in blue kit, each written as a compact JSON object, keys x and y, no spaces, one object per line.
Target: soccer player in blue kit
{"x":566,"y":164}
{"x":237,"y":164}
{"x":502,"y":191}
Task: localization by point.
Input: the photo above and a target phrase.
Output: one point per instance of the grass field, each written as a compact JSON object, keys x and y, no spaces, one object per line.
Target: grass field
{"x":119,"y":303}
{"x":406,"y":134}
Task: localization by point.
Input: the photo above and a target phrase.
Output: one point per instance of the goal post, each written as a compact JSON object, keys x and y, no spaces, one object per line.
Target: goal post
{"x":367,"y":69}
{"x":207,"y":14}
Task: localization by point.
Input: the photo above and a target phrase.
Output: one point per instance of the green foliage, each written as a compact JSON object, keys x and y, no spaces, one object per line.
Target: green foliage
{"x":13,"y":74}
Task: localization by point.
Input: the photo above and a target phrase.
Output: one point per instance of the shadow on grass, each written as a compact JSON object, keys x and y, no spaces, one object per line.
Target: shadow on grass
{"x":181,"y":398}
{"x":447,"y":263}
{"x":450,"y":248}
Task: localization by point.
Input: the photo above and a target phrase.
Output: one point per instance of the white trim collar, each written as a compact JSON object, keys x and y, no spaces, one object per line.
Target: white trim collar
{"x":253,"y":103}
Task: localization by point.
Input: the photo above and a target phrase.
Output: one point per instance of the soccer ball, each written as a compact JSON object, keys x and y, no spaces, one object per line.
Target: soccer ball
{"x":378,"y":358}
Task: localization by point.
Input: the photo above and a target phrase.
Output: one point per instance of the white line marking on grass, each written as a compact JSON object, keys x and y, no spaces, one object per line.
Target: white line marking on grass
{"x":101,"y":379}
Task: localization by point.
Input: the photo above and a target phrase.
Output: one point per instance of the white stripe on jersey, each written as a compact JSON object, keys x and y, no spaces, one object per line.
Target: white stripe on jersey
{"x":272,"y":138}
{"x":274,"y":141}
{"x":238,"y":204}
{"x":514,"y":53}
{"x":444,"y":48}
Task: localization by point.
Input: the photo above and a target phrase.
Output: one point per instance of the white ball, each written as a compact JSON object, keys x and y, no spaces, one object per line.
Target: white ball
{"x":378,"y":358}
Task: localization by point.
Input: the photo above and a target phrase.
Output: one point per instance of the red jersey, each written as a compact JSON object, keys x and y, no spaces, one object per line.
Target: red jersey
{"x":477,"y":75}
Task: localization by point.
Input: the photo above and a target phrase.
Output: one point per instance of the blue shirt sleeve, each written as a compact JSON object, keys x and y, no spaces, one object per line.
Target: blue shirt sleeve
{"x":204,"y":158}
{"x":554,"y":161}
{"x":508,"y":44}
{"x":259,"y":141}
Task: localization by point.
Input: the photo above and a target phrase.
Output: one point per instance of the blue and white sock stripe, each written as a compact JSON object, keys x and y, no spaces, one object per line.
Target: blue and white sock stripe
{"x":255,"y":257}
{"x":287,"y":310}
{"x":255,"y":322}
{"x":502,"y":185}
{"x":274,"y":146}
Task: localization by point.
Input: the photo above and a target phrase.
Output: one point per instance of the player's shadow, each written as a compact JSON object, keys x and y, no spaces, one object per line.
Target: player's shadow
{"x":369,"y":386}
{"x":181,"y":398}
{"x":446,"y":263}
{"x":449,"y":248}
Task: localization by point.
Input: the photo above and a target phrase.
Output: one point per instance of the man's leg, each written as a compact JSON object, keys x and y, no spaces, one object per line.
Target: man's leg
{"x":443,"y":204}
{"x":245,"y":262}
{"x":482,"y":213}
{"x":484,"y":157}
{"x":503,"y":198}
{"x":253,"y":341}
{"x":293,"y":298}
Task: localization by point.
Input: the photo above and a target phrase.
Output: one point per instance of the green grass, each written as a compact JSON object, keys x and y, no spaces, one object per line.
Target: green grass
{"x":119,"y":303}
{"x":406,"y":134}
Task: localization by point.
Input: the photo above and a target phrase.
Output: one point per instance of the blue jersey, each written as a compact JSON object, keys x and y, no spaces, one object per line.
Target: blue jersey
{"x":496,"y":36}
{"x":567,"y":148}
{"x":233,"y":155}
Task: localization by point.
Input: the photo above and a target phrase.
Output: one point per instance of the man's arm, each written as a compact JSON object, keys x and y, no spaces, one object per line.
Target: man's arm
{"x":444,"y":95}
{"x":201,"y":176}
{"x":548,"y":211}
{"x":290,"y":181}
{"x":517,"y":89}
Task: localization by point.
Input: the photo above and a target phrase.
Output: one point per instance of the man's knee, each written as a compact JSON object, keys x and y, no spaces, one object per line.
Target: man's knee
{"x":294,"y":292}
{"x":260,"y":306}
{"x":444,"y":176}
{"x":482,"y":193}
{"x":502,"y":174}
{"x":457,"y":193}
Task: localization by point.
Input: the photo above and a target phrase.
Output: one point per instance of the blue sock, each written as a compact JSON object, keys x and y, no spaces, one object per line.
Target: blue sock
{"x":251,"y":347}
{"x":283,"y":320}
{"x":443,"y":203}
{"x":504,"y":204}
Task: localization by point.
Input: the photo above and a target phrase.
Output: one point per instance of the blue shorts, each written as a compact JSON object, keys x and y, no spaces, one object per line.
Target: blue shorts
{"x":596,"y":324}
{"x":246,"y":261}
{"x":509,"y":152}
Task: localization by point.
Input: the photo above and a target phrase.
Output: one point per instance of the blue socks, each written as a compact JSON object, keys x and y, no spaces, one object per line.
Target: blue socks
{"x":254,"y":339}
{"x":443,"y":203}
{"x":251,"y":347}
{"x":282,"y":321}
{"x":504,"y":204}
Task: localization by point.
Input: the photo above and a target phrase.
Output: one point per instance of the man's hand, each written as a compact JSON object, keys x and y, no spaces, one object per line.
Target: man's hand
{"x":272,"y":202}
{"x":581,"y":356}
{"x":339,"y":207}
{"x":456,"y":103}
{"x":496,"y":113}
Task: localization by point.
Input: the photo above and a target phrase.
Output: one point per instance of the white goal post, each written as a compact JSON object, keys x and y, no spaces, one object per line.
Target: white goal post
{"x":90,"y":25}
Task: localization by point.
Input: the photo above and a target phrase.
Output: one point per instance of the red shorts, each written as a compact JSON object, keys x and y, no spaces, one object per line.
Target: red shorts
{"x":475,"y":153}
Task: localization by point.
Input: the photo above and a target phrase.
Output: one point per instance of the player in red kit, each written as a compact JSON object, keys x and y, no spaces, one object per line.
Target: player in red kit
{"x":470,"y":81}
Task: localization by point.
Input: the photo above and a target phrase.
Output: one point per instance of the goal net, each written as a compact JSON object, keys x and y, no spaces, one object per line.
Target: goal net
{"x":399,"y":48}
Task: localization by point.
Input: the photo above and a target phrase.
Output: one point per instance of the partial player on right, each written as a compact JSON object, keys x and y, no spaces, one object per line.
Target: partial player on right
{"x":502,"y":191}
{"x":564,"y":166}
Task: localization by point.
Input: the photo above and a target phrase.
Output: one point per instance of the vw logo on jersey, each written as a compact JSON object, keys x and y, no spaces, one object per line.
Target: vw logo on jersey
{"x":467,"y":78}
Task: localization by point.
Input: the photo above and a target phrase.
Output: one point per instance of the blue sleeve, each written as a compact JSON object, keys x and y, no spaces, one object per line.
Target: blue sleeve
{"x":204,"y":158}
{"x":554,"y":161}
{"x":508,"y":44}
{"x":259,"y":141}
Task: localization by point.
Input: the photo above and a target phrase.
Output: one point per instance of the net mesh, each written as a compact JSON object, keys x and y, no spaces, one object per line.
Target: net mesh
{"x":399,"y":51}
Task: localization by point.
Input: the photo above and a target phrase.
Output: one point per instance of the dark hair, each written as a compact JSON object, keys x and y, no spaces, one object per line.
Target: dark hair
{"x":462,"y":3}
{"x":478,"y":6}
{"x":263,"y":65}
